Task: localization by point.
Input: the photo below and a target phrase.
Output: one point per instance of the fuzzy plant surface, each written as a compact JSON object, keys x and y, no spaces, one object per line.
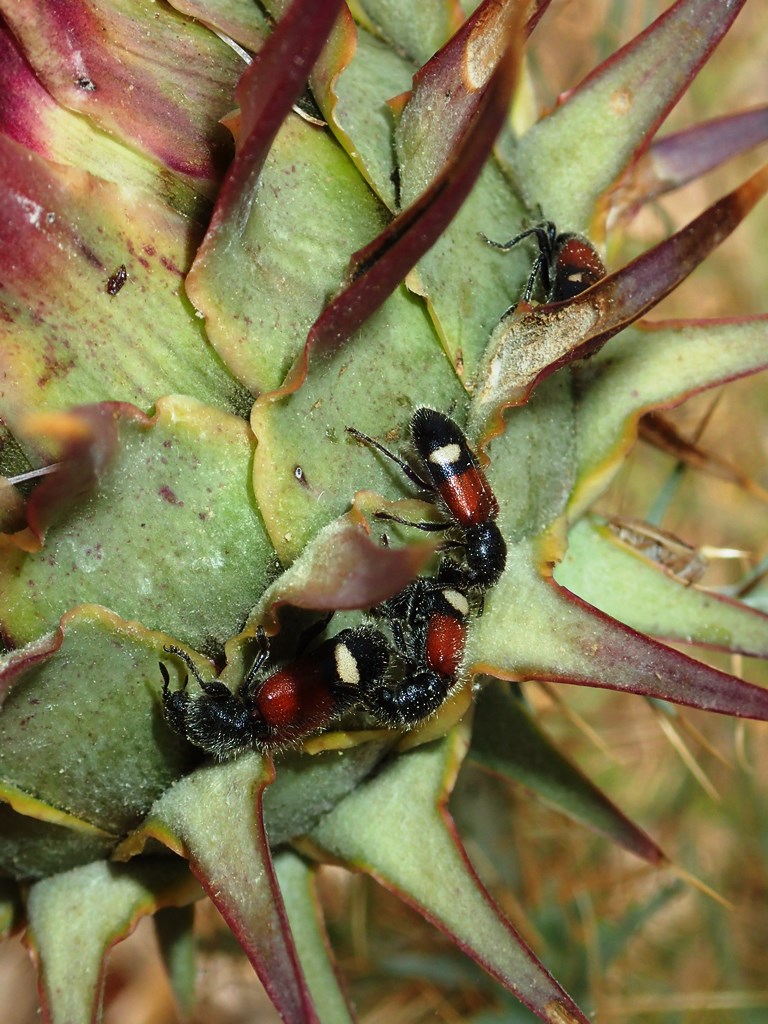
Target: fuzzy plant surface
{"x":229,"y":231}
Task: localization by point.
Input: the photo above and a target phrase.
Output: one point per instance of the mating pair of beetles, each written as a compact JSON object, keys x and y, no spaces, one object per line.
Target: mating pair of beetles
{"x":427,"y":620}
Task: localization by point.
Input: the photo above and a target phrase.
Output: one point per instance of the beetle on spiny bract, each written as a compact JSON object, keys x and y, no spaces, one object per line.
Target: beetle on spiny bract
{"x":274,"y":712}
{"x":565,"y":265}
{"x":462,"y":488}
{"x":428,"y":620}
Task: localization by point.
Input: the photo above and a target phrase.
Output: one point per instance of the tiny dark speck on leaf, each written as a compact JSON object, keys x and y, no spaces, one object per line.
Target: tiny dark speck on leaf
{"x":167,"y":494}
{"x":86,"y":84}
{"x":170,"y":266}
{"x":298,"y":472}
{"x":117,"y":280}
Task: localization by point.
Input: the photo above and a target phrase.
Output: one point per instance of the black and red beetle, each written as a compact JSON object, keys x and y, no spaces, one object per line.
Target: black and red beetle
{"x":461,"y":488}
{"x":565,"y":265}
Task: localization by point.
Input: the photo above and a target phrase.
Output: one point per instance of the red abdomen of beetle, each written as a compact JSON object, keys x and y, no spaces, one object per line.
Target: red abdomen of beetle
{"x":446,"y":637}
